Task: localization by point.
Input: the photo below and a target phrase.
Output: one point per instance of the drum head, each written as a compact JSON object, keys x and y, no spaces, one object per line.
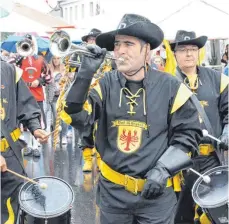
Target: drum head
{"x":53,"y":201}
{"x":214,"y":194}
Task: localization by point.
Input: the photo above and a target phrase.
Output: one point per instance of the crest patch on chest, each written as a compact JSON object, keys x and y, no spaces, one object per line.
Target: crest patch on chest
{"x":129,"y":134}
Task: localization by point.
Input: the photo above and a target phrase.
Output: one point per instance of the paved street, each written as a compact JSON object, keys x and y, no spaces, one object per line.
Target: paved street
{"x":66,"y":163}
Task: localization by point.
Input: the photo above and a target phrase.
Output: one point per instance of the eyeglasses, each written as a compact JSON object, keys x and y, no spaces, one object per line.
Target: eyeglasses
{"x":186,"y":50}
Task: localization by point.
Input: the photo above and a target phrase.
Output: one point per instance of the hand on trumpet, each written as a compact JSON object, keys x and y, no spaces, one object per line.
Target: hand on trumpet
{"x":91,"y":64}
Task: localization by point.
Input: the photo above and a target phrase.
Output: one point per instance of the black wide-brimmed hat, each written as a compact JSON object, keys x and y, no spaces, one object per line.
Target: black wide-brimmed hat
{"x":135,"y":26}
{"x":93,"y":33}
{"x":188,"y":38}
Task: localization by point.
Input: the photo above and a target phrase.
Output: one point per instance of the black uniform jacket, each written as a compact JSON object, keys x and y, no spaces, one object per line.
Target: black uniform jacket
{"x":17,"y":103}
{"x":135,"y":129}
{"x":213,"y":96}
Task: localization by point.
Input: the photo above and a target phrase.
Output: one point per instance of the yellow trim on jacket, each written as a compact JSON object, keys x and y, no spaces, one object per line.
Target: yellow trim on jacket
{"x":183,"y":94}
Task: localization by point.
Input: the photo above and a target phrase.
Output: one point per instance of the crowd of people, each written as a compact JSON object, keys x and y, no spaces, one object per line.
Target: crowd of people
{"x":143,"y":124}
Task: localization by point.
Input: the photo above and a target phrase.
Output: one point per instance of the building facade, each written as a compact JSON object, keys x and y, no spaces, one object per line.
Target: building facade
{"x":75,"y":11}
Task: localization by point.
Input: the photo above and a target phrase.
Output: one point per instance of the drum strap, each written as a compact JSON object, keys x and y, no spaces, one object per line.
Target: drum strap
{"x":15,"y":146}
{"x":198,"y":106}
{"x":203,"y":115}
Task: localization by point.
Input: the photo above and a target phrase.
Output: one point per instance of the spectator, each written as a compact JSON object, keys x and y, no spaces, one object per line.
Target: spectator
{"x":158,"y":61}
{"x":53,"y":91}
{"x":225,"y":56}
{"x":35,"y":74}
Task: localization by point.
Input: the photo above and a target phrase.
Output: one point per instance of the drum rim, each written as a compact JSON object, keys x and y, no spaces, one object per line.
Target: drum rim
{"x":199,"y":180}
{"x":48,"y":216}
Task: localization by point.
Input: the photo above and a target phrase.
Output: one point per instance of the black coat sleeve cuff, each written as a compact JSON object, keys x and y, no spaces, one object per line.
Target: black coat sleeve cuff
{"x":33,"y":124}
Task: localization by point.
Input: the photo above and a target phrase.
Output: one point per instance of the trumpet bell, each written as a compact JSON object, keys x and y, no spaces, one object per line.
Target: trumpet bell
{"x":61,"y":46}
{"x":25,"y":48}
{"x":60,"y":43}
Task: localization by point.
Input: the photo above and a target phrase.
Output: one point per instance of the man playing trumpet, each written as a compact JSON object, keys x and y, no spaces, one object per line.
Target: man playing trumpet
{"x":146,"y":125}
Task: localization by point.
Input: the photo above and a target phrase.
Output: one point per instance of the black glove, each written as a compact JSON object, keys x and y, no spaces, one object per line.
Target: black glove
{"x":90,"y":65}
{"x":75,"y":60}
{"x":170,"y":163}
{"x":224,"y":138}
{"x":156,"y":182}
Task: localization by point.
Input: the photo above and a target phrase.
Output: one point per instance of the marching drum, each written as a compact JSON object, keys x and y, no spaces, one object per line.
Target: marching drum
{"x":51,"y":205}
{"x":213,"y":197}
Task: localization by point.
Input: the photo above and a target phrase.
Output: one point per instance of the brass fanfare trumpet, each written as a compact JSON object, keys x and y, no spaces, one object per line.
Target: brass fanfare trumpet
{"x":62,"y":46}
{"x":25,"y":47}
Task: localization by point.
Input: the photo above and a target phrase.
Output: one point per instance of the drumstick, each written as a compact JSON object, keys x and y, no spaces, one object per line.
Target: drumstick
{"x":50,"y":134}
{"x":206,"y":178}
{"x":47,"y":136}
{"x":42,"y":185}
{"x":54,"y":131}
{"x":205,"y":134}
{"x":23,"y":177}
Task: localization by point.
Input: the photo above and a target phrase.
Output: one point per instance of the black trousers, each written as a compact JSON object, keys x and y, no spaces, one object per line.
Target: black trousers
{"x":141,"y":218}
{"x":10,"y":186}
{"x":156,"y":214}
{"x":185,"y":207}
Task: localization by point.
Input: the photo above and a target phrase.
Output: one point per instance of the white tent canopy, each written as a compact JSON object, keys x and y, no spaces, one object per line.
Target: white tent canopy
{"x":18,"y":23}
{"x":197,"y":16}
{"x":203,"y":17}
{"x":26,"y":19}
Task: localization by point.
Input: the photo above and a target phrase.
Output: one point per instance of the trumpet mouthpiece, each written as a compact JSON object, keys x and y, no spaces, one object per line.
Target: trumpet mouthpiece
{"x":120,"y":59}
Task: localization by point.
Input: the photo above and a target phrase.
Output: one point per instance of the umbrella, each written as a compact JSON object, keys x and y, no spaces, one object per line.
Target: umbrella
{"x":10,"y":43}
{"x":77,"y":42}
{"x":35,"y":34}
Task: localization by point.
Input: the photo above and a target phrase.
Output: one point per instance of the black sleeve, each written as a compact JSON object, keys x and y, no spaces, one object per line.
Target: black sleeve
{"x":185,"y":130}
{"x":86,"y":136}
{"x":83,"y":115}
{"x":223,"y":106}
{"x":28,"y":111}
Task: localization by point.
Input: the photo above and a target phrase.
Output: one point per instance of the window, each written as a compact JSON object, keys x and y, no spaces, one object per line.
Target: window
{"x":76,"y":12}
{"x":70,"y":14}
{"x":91,"y":9}
{"x":97,"y":12}
{"x":66,"y":14}
{"x":82,"y":11}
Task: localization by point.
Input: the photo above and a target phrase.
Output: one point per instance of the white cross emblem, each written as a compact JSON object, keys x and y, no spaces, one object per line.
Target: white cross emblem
{"x":122,"y":25}
{"x":187,"y":38}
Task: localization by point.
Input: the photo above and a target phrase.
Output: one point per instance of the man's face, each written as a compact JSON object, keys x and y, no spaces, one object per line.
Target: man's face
{"x":91,"y":40}
{"x":187,"y":56}
{"x":130,"y":49}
